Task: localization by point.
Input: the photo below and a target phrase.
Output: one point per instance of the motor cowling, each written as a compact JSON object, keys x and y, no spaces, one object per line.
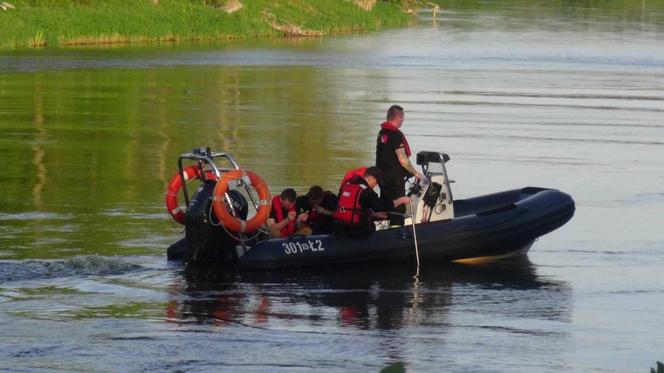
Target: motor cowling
{"x":207,"y":242}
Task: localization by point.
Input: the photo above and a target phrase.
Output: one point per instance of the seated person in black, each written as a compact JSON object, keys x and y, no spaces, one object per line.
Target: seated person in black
{"x":323,"y":205}
{"x":303,"y":208}
{"x":359,"y":205}
{"x":318,"y":205}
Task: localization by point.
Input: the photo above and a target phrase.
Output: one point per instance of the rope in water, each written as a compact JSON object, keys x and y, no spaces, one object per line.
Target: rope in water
{"x":413,"y":214}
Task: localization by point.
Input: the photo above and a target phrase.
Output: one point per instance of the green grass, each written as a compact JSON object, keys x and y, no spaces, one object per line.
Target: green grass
{"x":70,"y":22}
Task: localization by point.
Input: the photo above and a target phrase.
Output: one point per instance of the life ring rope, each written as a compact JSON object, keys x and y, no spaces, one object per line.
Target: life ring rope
{"x":245,"y":181}
{"x":234,"y":180}
{"x":231,"y":234}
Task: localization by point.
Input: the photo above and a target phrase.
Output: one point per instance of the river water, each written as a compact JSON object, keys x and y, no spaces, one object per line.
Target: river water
{"x":519,"y":93}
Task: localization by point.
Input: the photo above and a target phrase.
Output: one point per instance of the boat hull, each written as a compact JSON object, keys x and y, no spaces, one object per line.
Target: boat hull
{"x":490,"y":226}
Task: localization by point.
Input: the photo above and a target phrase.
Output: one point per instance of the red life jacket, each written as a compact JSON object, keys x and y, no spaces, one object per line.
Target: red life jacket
{"x":389,"y":127}
{"x":350,"y":175}
{"x":349,"y":210}
{"x":290,"y":228}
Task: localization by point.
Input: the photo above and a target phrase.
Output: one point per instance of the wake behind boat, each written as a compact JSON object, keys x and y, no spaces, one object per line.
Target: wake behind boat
{"x":224,"y":222}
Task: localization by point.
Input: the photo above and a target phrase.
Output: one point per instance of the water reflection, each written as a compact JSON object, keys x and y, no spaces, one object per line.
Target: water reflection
{"x":367,"y":298}
{"x":101,"y":144}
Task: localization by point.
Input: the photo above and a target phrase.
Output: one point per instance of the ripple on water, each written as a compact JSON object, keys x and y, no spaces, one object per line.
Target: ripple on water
{"x":133,"y":215}
{"x":643,"y":198}
{"x":88,"y":265}
{"x":38,"y":351}
{"x":34,"y":215}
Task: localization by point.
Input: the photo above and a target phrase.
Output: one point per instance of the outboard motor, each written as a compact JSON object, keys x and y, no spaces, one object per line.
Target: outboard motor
{"x":207,"y":241}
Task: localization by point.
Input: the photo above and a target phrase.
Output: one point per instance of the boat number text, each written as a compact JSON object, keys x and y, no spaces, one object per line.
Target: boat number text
{"x":300,"y":247}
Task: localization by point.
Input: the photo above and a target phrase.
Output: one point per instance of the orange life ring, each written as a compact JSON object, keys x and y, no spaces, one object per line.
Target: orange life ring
{"x":228,"y":182}
{"x":174,"y":186}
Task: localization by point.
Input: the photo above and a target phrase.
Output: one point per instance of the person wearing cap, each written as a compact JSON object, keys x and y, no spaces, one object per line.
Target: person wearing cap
{"x":393,"y":159}
{"x":359,"y":205}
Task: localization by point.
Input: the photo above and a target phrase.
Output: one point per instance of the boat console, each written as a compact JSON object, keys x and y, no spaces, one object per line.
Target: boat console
{"x":426,"y":157}
{"x":433,"y":199}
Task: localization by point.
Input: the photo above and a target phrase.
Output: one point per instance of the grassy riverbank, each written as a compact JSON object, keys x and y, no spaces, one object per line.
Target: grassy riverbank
{"x":32,"y":23}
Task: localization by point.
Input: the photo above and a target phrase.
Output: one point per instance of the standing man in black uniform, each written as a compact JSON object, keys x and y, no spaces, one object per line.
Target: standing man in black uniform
{"x":392,"y":157}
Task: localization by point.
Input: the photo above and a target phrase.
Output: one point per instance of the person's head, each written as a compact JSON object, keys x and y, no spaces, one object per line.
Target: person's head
{"x":302,"y":204}
{"x":373,"y":176}
{"x":316,"y":195}
{"x":395,"y":115}
{"x":288,"y":197}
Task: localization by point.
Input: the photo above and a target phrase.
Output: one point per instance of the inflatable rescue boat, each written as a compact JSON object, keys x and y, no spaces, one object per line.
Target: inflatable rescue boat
{"x":225,"y":221}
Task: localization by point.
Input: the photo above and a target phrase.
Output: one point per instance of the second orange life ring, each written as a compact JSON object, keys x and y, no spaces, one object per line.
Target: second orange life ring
{"x":174,"y":186}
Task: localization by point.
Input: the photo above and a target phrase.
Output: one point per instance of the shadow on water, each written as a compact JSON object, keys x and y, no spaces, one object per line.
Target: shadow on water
{"x":368,"y":297}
